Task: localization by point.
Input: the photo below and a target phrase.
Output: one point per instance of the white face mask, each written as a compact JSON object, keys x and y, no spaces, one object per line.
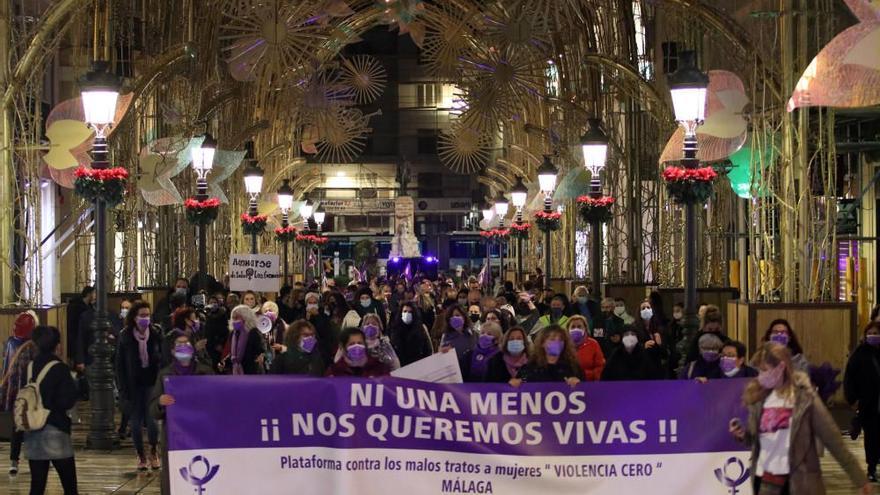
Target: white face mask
{"x":619,"y":310}
{"x":123,"y":313}
{"x":647,"y":313}
{"x":630,"y":341}
{"x":406,"y":318}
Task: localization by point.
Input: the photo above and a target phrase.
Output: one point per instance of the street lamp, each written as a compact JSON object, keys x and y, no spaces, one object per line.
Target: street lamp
{"x":594,"y":144}
{"x":100,"y":90}
{"x":253,"y":184}
{"x":203,"y":162}
{"x":319,"y":216}
{"x":518,"y":196}
{"x":688,"y":87}
{"x":547,"y":182}
{"x":501,"y":208}
{"x":488,"y":214}
{"x":305,"y":211}
{"x":285,"y":203}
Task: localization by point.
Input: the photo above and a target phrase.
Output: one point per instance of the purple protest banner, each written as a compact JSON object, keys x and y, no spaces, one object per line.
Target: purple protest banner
{"x":233,"y":434}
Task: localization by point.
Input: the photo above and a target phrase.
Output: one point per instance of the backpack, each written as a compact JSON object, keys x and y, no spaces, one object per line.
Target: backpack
{"x":28,"y":411}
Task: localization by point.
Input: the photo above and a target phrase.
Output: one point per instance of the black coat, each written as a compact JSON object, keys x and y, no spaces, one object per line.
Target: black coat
{"x":297,"y":362}
{"x":861,"y":382}
{"x":75,"y":309}
{"x":217,"y":332}
{"x":57,"y":390}
{"x":253,"y":349}
{"x":497,"y":371}
{"x":130,"y":375}
{"x":549,"y":373}
{"x":328,"y":337}
{"x":640,"y":364}
{"x":411,"y":342}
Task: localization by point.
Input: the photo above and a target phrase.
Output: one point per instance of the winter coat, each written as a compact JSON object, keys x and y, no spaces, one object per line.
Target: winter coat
{"x":328,"y":336}
{"x":372,"y":368}
{"x":254,"y":348}
{"x":640,"y":364}
{"x":158,"y":411}
{"x":57,"y":390}
{"x":411,"y":342}
{"x":384,"y":352}
{"x":296,"y":362}
{"x":810,"y":421}
{"x":16,"y":377}
{"x":497,"y":371}
{"x":130,"y":375}
{"x":462,"y":341}
{"x":700,"y":368}
{"x":591,"y":359}
{"x":861,"y":382}
{"x":558,"y":372}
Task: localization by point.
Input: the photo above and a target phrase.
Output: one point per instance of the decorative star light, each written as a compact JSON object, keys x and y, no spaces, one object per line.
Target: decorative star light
{"x":225,"y":163}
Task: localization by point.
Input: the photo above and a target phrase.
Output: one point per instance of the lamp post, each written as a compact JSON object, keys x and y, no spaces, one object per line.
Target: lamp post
{"x":320,"y":215}
{"x":501,"y":208}
{"x":547,"y":182}
{"x":202,"y":162}
{"x":305,"y":211}
{"x":594,"y":144}
{"x":518,"y":196}
{"x":253,"y":184}
{"x":488,"y":215}
{"x":688,"y":87}
{"x":285,"y":203}
{"x":100,"y":90}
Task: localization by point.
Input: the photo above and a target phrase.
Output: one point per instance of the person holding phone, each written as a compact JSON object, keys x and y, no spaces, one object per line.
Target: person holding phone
{"x":786,"y":417}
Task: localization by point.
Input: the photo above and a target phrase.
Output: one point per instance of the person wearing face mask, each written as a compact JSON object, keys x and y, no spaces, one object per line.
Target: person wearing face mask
{"x":606,"y":323}
{"x":365,"y":304}
{"x":621,"y":312}
{"x":457,"y":333}
{"x":216,"y":328}
{"x":245,"y":354}
{"x":186,"y":322}
{"x":707,"y":365}
{"x":786,"y":418}
{"x":556,"y":314}
{"x":589,"y":353}
{"x":328,"y":333}
{"x":780,"y":331}
{"x":184,"y":363}
{"x":299,"y":354}
{"x":553,"y":359}
{"x":514,"y":354}
{"x":409,"y":335}
{"x":495,"y":316}
{"x":733,"y":361}
{"x":475,"y":362}
{"x":353,"y":358}
{"x":137,"y":366}
{"x":474,"y":314}
{"x":861,"y":386}
{"x":526,"y":314}
{"x":583,"y":305}
{"x":633,"y":360}
{"x":378,"y":345}
{"x":711,"y":324}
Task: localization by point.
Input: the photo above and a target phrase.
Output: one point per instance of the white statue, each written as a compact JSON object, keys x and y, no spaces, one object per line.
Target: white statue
{"x":404,"y":244}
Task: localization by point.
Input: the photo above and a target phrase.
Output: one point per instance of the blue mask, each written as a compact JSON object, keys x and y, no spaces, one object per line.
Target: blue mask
{"x":516,"y":347}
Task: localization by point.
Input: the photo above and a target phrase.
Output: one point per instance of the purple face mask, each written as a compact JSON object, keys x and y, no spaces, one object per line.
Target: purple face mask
{"x":554,"y":347}
{"x":196,"y":326}
{"x":356,"y":353}
{"x":771,"y":378}
{"x":873,"y":340}
{"x":709,"y":356}
{"x":779,"y":338}
{"x":456,"y":322}
{"x":307,"y":344}
{"x":238,"y":325}
{"x":577,"y":335}
{"x":142,"y":323}
{"x":727,"y":364}
{"x":486,"y":341}
{"x":371,"y":331}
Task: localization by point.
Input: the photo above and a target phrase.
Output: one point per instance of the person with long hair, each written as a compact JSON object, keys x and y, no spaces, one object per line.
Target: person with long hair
{"x":475,"y":362}
{"x":861,"y":386}
{"x":514,"y":354}
{"x":137,"y":367}
{"x":379,"y":345}
{"x":456,"y":332}
{"x":245,"y":342}
{"x":786,"y":417}
{"x":553,"y":359}
{"x":20,"y":350}
{"x":780,"y":331}
{"x":409,"y":336}
{"x":185,"y":321}
{"x":589,"y":353}
{"x":52,"y":443}
{"x":353,"y":358}
{"x":300,"y":355}
{"x":633,"y":360}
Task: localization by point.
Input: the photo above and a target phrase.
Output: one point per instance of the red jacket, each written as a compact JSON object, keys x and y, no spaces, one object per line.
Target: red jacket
{"x":591,"y":359}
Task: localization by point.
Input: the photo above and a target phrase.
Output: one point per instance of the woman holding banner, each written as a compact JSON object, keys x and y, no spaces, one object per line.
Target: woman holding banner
{"x":553,"y":360}
{"x":514,"y":354}
{"x":299,"y":355}
{"x":786,"y":416}
{"x":475,"y":362}
{"x":354,"y":360}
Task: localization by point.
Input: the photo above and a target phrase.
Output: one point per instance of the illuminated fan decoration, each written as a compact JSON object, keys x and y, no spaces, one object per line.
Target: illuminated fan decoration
{"x":517,"y":29}
{"x":725,"y":129}
{"x":343,"y":141}
{"x":447,"y":43}
{"x":159,"y":161}
{"x":846,"y":72}
{"x":320,"y":98}
{"x":70,"y":139}
{"x":366,"y":77}
{"x":463,"y":149}
{"x":404,"y":13}
{"x":269,"y":41}
{"x":225,"y":163}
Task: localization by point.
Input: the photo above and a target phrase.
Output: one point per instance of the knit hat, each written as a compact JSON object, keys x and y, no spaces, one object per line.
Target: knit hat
{"x":24,"y":324}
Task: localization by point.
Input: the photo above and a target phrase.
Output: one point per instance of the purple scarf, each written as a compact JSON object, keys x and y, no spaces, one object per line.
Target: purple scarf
{"x":239,"y":345}
{"x":142,"y":338}
{"x":514,"y":363}
{"x":480,"y":361}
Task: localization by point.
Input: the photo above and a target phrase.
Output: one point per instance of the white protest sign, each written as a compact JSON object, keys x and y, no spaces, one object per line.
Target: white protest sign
{"x":438,"y":368}
{"x":256,"y":272}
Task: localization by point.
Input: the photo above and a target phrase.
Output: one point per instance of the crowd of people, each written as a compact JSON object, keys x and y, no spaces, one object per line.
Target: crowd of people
{"x":533,"y":334}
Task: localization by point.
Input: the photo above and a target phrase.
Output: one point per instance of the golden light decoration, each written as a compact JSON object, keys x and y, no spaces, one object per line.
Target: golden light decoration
{"x":366,"y":77}
{"x":447,"y":41}
{"x":345,"y":138}
{"x":463,"y":149}
{"x":320,"y":98}
{"x":271,"y":40}
{"x":516,"y":29}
